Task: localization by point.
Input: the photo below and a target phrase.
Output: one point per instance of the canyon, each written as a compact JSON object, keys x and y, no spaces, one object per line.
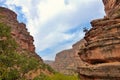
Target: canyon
{"x":96,"y":56}
{"x":18,"y":59}
{"x":67,"y":61}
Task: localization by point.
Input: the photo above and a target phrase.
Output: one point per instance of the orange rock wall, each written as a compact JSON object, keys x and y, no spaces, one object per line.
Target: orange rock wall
{"x":101,"y":52}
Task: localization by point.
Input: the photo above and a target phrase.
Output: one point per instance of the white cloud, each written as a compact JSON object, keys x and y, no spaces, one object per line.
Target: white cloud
{"x":51,"y":21}
{"x":63,"y":46}
{"x":49,"y":8}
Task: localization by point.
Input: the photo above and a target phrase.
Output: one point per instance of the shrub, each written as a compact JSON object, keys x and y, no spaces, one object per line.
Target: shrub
{"x":9,"y":58}
{"x":14,"y":66}
{"x":42,"y":77}
{"x":46,"y":66}
{"x":13,"y":74}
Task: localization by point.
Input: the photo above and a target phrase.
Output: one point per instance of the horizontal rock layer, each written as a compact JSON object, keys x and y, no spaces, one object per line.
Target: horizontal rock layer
{"x":67,"y":61}
{"x":101,"y":52}
{"x":107,"y":71}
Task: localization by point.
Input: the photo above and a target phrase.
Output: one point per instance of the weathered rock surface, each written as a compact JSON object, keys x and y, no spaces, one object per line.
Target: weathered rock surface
{"x":25,"y":45}
{"x":19,"y":32}
{"x":106,"y":71}
{"x":67,"y":61}
{"x":102,"y":47}
{"x":112,"y":8}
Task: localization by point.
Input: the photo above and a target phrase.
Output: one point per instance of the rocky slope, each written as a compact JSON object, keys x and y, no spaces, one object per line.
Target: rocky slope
{"x":18,"y":31}
{"x":18,"y":60}
{"x":101,"y":52}
{"x":67,"y":61}
{"x":49,"y":62}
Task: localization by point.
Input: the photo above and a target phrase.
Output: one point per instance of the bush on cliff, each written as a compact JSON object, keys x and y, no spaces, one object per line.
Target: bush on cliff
{"x":13,"y":66}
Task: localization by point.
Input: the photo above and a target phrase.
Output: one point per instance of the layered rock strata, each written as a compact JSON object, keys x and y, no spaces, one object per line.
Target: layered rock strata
{"x":67,"y":61}
{"x":102,"y":47}
{"x":24,"y":48}
{"x":19,"y":32}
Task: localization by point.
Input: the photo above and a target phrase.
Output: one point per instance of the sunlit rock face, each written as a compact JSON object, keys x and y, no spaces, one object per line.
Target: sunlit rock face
{"x":20,"y":60}
{"x":101,"y":52}
{"x":18,"y":31}
{"x":67,"y":61}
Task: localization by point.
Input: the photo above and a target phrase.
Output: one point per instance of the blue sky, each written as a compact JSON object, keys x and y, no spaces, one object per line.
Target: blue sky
{"x":55,"y":24}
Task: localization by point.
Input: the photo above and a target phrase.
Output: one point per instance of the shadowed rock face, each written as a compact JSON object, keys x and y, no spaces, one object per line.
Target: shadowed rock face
{"x":102,"y":48}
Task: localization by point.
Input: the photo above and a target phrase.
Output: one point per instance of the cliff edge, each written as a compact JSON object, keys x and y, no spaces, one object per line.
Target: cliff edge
{"x":18,"y":59}
{"x":101,"y":52}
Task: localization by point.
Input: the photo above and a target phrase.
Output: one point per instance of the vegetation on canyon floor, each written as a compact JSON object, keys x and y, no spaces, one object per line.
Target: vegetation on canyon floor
{"x":57,"y":76}
{"x":14,"y":66}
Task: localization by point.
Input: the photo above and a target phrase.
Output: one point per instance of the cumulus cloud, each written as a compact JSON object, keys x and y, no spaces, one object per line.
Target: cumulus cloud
{"x":56,"y":24}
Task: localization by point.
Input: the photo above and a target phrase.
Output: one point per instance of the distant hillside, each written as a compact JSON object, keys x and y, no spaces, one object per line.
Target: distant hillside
{"x":67,"y":61}
{"x":48,"y":62}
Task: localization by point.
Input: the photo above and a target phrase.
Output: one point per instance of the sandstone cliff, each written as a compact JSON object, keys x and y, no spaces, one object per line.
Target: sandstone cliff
{"x":18,"y":59}
{"x":67,"y":61}
{"x":101,"y":52}
{"x":18,"y":31}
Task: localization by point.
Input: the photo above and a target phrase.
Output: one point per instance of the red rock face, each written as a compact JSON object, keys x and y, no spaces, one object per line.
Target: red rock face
{"x":23,"y":38}
{"x":67,"y":61}
{"x":102,"y":48}
{"x":112,"y":8}
{"x":18,"y":31}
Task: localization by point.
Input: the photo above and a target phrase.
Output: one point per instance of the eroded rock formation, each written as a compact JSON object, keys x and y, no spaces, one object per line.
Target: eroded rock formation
{"x":112,"y":8}
{"x":25,"y":49}
{"x":18,"y":31}
{"x":102,"y":48}
{"x":67,"y":61}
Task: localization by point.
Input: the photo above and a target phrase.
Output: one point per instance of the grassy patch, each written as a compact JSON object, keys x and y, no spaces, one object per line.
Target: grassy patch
{"x":57,"y":76}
